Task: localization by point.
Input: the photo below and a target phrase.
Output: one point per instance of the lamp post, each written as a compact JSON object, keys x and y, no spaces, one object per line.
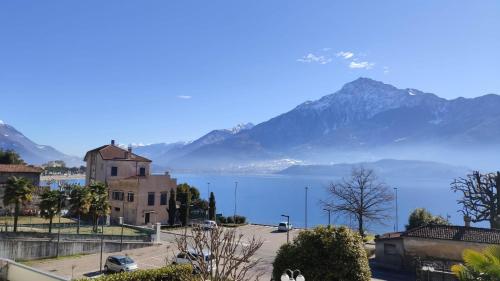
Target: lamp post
{"x":122,"y":222}
{"x":287,"y":227}
{"x":102,"y":246}
{"x":397,"y":220}
{"x":235,"y":189}
{"x":289,"y":275}
{"x":305,"y":216}
{"x":329,"y":213}
{"x":208,"y":190}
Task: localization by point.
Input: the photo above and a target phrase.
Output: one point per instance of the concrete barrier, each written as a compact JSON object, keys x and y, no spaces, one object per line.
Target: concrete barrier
{"x":12,"y":271}
{"x":39,"y":248}
{"x":71,"y":236}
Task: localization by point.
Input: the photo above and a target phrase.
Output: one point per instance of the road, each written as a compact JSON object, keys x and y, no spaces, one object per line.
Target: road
{"x":162,"y":254}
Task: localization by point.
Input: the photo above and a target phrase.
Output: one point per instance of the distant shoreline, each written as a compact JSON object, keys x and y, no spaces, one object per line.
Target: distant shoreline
{"x":63,"y":177}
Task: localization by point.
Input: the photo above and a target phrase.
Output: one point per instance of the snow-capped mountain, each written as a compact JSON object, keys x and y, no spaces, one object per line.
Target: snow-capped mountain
{"x":363,"y":116}
{"x":32,"y":153}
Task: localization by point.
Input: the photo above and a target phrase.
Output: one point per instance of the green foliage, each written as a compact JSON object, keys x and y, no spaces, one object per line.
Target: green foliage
{"x":80,"y":201}
{"x":211,"y":207}
{"x":421,"y":216}
{"x":484,"y":266}
{"x":10,"y":157}
{"x":172,"y":208}
{"x":18,"y":191}
{"x":232,"y":219}
{"x":170,"y":272}
{"x":99,"y":202}
{"x":184,"y":197}
{"x":193,"y":191}
{"x":325,"y":253}
{"x":50,"y":205}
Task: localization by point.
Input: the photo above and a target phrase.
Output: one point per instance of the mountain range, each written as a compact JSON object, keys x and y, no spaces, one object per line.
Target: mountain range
{"x":366,"y":120}
{"x":31,"y":152}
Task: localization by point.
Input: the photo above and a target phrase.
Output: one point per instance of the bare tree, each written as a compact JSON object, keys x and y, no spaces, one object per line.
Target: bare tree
{"x":361,"y":196}
{"x":232,"y":256}
{"x":480,"y":197}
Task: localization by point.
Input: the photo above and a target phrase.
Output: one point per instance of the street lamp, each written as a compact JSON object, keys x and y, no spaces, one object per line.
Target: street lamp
{"x":329,"y":213}
{"x":235,"y":189}
{"x":397,"y":220}
{"x":208,"y":189}
{"x":289,"y":275}
{"x":287,"y":228}
{"x":306,"y":209}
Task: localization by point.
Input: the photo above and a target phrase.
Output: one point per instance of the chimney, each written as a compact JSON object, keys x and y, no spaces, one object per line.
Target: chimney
{"x":113,"y":142}
{"x":129,"y":153}
{"x":467,"y":220}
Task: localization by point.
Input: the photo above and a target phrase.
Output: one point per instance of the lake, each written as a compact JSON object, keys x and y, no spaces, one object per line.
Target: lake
{"x":263,"y":198}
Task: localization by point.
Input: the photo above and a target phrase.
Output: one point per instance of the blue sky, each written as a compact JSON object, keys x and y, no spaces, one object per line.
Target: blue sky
{"x":75,"y":74}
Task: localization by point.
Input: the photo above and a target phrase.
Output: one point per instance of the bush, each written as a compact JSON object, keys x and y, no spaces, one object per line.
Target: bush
{"x":421,"y":216}
{"x":171,"y":273}
{"x":325,"y":253}
{"x":240,"y":219}
{"x":232,"y":220}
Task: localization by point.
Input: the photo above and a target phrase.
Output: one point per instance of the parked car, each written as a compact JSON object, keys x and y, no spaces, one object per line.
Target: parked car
{"x":208,"y":224}
{"x":191,"y":255}
{"x":284,"y":226}
{"x":119,"y":264}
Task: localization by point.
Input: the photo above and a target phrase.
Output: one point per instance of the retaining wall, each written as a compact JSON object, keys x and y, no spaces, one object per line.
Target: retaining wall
{"x":39,"y":248}
{"x":71,"y":236}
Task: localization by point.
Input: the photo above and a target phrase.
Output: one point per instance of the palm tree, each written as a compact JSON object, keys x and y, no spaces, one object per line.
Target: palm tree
{"x":484,"y":266}
{"x":99,"y":204}
{"x":80,"y":200}
{"x":50,"y":205}
{"x":19,"y":191}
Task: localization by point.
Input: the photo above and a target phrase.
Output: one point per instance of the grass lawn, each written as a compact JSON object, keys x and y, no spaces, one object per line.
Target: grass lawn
{"x":108,"y":230}
{"x":32,"y":220}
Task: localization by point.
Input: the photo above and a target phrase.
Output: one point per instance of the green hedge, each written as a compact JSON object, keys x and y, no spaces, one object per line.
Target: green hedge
{"x":170,"y":273}
{"x":232,"y":219}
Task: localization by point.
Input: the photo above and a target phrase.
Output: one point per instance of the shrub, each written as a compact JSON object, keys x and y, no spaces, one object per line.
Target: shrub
{"x":240,"y":219}
{"x":229,"y":220}
{"x":421,"y":216}
{"x":222,"y":219}
{"x":171,"y":273}
{"x":325,"y":253}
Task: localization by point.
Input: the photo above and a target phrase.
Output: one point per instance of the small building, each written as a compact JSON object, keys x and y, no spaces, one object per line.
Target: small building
{"x":135,"y":194}
{"x":29,"y":172}
{"x":441,"y":244}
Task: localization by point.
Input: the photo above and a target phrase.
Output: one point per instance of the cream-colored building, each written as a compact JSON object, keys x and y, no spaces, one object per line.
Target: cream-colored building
{"x":134,"y":193}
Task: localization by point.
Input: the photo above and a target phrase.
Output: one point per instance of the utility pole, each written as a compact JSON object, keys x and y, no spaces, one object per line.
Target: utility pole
{"x":396,"y":226}
{"x":102,"y":244}
{"x":306,"y":209}
{"x":329,"y":213}
{"x":59,"y":224}
{"x":122,"y":222}
{"x":235,"y":189}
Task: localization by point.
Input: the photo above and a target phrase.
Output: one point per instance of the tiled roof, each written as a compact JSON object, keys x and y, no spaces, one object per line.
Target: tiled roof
{"x":19,"y":169}
{"x":456,"y":233}
{"x":113,"y":152}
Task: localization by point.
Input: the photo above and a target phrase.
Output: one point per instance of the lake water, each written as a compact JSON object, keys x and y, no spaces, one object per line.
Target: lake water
{"x":263,"y":198}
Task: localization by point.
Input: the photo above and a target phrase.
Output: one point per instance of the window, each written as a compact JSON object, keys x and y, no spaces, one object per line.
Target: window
{"x":114,"y":171}
{"x":142,"y":172}
{"x":151,"y":198}
{"x":130,"y":197}
{"x":117,"y":195}
{"x":163,"y":198}
{"x":117,"y":209}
